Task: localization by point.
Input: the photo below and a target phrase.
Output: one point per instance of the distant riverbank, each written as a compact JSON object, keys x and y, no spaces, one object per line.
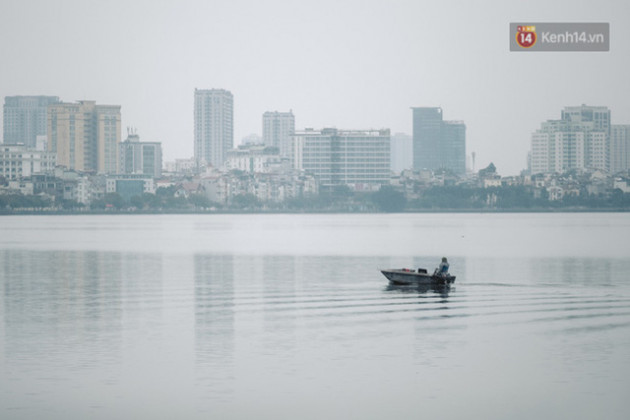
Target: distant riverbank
{"x":53,"y":212}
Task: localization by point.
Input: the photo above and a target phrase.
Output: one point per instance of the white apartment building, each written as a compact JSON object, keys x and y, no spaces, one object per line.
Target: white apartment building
{"x":214,"y":126}
{"x":180,"y":166}
{"x":580,"y":140}
{"x":253,"y":158}
{"x":359,"y":159}
{"x":18,"y":161}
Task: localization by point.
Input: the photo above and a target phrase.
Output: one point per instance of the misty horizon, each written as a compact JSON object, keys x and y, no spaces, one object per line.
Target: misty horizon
{"x":349,"y":65}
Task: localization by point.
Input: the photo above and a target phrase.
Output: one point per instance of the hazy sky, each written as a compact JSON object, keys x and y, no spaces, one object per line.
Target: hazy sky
{"x":348,"y":64}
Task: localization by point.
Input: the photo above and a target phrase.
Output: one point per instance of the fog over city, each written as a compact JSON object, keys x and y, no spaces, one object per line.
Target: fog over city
{"x":331,"y":209}
{"x":348,"y":64}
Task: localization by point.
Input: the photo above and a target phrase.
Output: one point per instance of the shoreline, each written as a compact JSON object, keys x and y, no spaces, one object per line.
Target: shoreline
{"x":332,"y":211}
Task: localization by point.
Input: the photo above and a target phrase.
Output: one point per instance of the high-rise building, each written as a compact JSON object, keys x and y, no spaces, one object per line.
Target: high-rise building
{"x":453,"y":146}
{"x":619,"y":148}
{"x":278,"y":127}
{"x":25,"y":118}
{"x":359,"y":159}
{"x":214,"y":126}
{"x":438,"y":144}
{"x":599,"y":116}
{"x":138,"y":157}
{"x":579,"y":140}
{"x":401,"y":149}
{"x":85,"y":136}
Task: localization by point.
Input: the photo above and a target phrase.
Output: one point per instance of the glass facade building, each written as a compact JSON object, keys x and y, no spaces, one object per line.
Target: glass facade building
{"x":25,"y":118}
{"x":438,"y":144}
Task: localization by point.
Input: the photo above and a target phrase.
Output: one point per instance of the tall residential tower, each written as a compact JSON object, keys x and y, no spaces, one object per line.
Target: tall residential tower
{"x":580,"y":139}
{"x":85,"y":136}
{"x":278,"y":127}
{"x":214,"y":126}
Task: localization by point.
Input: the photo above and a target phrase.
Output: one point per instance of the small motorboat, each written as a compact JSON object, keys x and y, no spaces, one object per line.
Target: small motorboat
{"x":405,"y":276}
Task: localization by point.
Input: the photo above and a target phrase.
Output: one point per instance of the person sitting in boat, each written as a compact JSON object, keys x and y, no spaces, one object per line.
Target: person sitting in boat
{"x":442,"y":270}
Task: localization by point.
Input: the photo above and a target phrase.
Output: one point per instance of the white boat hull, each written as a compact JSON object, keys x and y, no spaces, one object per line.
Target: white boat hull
{"x":407,"y":277}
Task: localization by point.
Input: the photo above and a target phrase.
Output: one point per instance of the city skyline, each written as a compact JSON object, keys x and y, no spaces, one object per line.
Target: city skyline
{"x":435,"y":144}
{"x":372,"y":63}
{"x":580,"y":139}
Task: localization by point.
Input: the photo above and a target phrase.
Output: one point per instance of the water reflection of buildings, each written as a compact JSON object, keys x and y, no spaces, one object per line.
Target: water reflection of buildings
{"x":547,"y":270}
{"x":257,"y":316}
{"x":280,"y":278}
{"x":72,"y":303}
{"x":214,"y":319}
{"x":583,"y":271}
{"x":59,"y":289}
{"x":228,"y":286}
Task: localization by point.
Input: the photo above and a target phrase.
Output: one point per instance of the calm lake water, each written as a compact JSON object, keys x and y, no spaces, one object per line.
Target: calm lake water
{"x":287,"y":316}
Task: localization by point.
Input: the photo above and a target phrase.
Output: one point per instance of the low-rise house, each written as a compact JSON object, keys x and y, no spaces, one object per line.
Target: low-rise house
{"x":555,"y":193}
{"x":491,"y":182}
{"x":622,"y":184}
{"x":186,"y":189}
{"x":24,"y":187}
{"x":129,"y":185}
